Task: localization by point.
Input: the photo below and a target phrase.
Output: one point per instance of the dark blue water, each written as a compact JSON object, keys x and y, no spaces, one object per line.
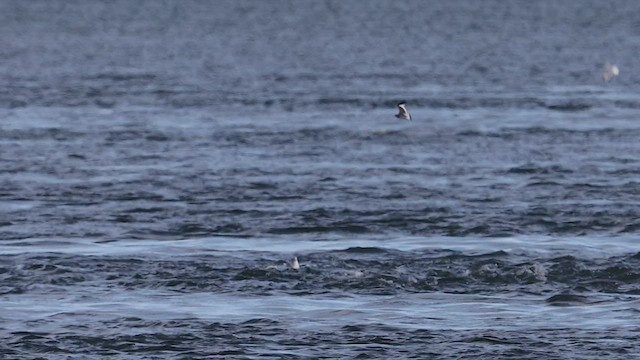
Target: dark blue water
{"x":162,"y":162}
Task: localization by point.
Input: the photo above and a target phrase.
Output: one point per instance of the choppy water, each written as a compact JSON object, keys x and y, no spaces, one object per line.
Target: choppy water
{"x":161,"y":162}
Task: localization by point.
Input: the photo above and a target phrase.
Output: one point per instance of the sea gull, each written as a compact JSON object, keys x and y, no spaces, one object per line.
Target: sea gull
{"x":295,"y":265}
{"x":609,"y":72}
{"x":402,"y":112}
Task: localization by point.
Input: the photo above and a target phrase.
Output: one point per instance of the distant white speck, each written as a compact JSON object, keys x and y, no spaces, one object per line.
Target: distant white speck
{"x":295,"y":265}
{"x":609,"y":72}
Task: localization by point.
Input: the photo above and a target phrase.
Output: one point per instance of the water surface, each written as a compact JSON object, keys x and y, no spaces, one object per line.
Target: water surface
{"x":162,"y":162}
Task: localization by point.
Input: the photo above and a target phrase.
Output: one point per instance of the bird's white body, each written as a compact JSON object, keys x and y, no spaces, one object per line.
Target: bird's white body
{"x":403,"y":114}
{"x":295,"y":265}
{"x":609,"y":72}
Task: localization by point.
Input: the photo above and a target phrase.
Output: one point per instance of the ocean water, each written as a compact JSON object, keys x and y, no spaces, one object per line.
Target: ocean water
{"x":161,"y":163}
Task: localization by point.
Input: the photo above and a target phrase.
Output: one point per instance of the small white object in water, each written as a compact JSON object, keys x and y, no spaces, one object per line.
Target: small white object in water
{"x":402,"y":112}
{"x":610,"y":71}
{"x":295,"y":265}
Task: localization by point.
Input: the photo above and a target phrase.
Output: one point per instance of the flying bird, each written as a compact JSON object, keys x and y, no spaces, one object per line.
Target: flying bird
{"x":403,"y":114}
{"x":609,"y":72}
